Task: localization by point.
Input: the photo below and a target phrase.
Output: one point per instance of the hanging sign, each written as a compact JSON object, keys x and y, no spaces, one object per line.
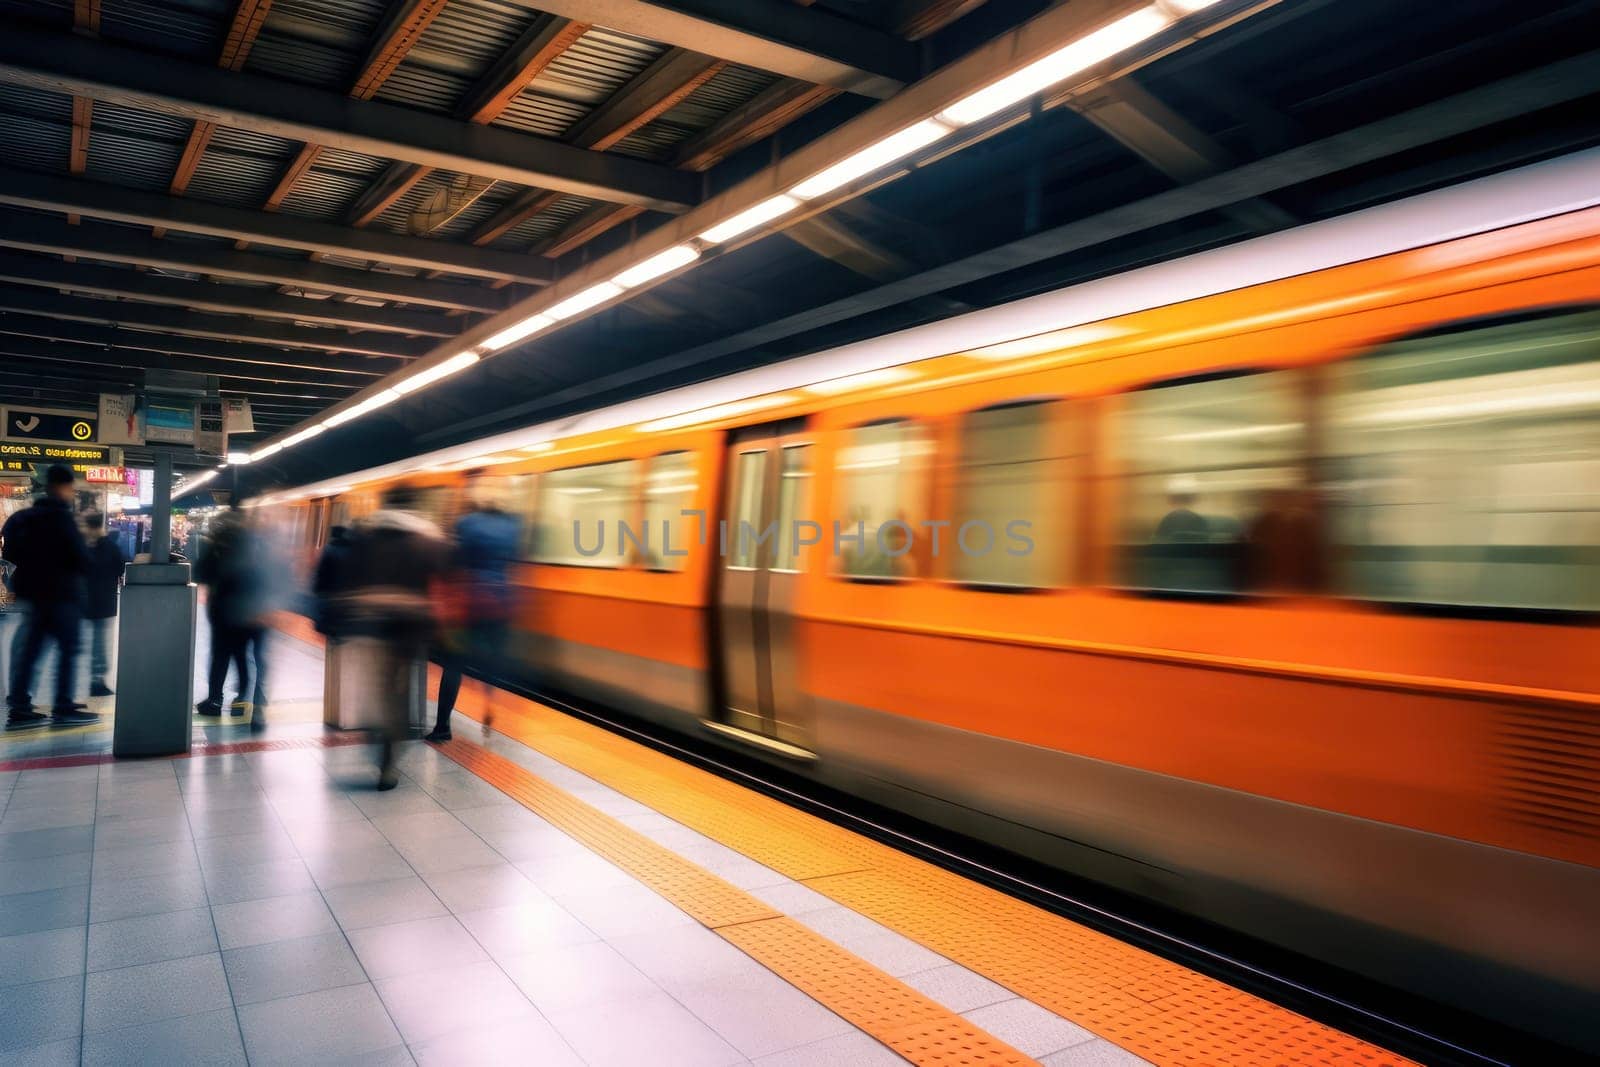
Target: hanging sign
{"x":47,"y":424}
{"x":121,"y":419}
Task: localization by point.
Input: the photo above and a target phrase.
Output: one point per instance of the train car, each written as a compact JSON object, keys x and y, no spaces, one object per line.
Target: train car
{"x":1259,"y":583}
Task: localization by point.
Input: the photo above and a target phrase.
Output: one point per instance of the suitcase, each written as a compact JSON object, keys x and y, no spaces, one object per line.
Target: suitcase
{"x":352,"y":696}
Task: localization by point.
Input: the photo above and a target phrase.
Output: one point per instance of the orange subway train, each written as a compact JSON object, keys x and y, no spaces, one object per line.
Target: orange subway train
{"x":1259,"y":583}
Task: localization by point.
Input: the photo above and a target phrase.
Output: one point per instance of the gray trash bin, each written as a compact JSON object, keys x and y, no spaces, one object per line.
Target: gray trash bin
{"x":155,"y":662}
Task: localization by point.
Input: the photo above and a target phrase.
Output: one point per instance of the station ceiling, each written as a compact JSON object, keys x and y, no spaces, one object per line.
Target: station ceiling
{"x":302,"y":196}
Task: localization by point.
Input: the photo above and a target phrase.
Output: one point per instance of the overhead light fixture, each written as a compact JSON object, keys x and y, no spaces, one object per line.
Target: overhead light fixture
{"x":1054,"y":341}
{"x":657,"y":265}
{"x":582,"y":301}
{"x":864,"y":380}
{"x":439,"y":370}
{"x":372,"y":403}
{"x":239,"y":459}
{"x":750,"y":218}
{"x":265,"y":451}
{"x":517,"y":331}
{"x":719,"y":411}
{"x":1059,"y":65}
{"x":1181,"y":8}
{"x":304,"y":435}
{"x":873,"y":157}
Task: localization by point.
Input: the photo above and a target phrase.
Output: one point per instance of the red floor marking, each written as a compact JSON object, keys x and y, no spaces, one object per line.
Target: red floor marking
{"x":227,"y":748}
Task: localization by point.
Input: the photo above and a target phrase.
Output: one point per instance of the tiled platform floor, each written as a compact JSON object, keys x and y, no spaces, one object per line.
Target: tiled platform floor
{"x":272,"y":908}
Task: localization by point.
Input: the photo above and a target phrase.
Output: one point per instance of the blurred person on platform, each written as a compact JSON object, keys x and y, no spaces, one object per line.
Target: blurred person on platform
{"x":103,"y":583}
{"x":330,"y":580}
{"x":396,"y":560}
{"x":233,"y":570}
{"x":51,"y":559}
{"x":480,"y":601}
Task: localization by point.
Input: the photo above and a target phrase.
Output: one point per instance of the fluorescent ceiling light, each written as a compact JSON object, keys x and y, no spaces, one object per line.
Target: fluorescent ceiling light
{"x":720,"y":411}
{"x":656,"y":266}
{"x":439,"y":370}
{"x":372,"y":403}
{"x":269,"y":450}
{"x":1185,"y":7}
{"x":750,"y":218}
{"x":240,"y":458}
{"x":864,"y":380}
{"x":517,"y":331}
{"x":304,"y":435}
{"x":1059,"y":65}
{"x":871,"y":158}
{"x":583,"y":301}
{"x":1055,"y":341}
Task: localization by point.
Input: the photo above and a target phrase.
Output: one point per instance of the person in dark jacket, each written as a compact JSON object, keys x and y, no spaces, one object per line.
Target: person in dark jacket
{"x":394,"y":563}
{"x":51,"y":559}
{"x":231,"y":569}
{"x":106,"y":562}
{"x":329,"y":581}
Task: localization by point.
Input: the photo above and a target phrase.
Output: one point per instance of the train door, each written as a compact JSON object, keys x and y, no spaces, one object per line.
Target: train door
{"x":769,"y":472}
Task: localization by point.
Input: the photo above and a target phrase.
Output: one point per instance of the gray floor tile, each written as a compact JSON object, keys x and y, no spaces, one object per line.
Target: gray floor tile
{"x":574,"y":872}
{"x":40,"y":957}
{"x":792,"y":898}
{"x":41,"y":1013}
{"x":455,"y":853}
{"x":47,"y":909}
{"x":44,"y":872}
{"x":143,"y":861}
{"x":879,"y":946}
{"x":276,"y":878}
{"x":542,"y":846}
{"x":503,"y":814}
{"x":850,"y":1050}
{"x":532,"y":926}
{"x":622,"y":910}
{"x":258,"y":922}
{"x":241,"y":850}
{"x":760,"y":1014}
{"x":209,"y":1038}
{"x":155,"y":991}
{"x":407,"y":800}
{"x":289,"y":968}
{"x":393,"y":1056}
{"x":320,"y":838}
{"x":116,"y":830}
{"x":339,"y":867}
{"x":22,"y":815}
{"x":1028,"y":1028}
{"x":958,"y":988}
{"x":151,"y":938}
{"x":683,"y":955}
{"x":431,"y":1004}
{"x":1096,"y":1053}
{"x":327,"y":1026}
{"x":30,"y":844}
{"x":418,"y":945}
{"x":417,"y":827}
{"x":655,"y":1029}
{"x":381,"y":903}
{"x":55,"y":1054}
{"x":577,"y":976}
{"x":478,"y":888}
{"x":530,"y":1041}
{"x":251,"y":819}
{"x":123,"y":898}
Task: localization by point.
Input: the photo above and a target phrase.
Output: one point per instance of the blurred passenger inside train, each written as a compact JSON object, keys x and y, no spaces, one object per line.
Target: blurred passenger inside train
{"x":235,"y":569}
{"x":102,"y":586}
{"x":330,"y":580}
{"x":1182,"y":524}
{"x":45,"y":546}
{"x":396,"y":560}
{"x":478,"y":601}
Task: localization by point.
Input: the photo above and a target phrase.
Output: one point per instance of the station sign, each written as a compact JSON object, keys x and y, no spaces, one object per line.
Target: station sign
{"x":34,"y":457}
{"x":45,"y":424}
{"x":109,"y":475}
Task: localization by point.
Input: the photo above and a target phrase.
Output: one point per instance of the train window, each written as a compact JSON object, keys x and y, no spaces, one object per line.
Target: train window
{"x":581,"y":510}
{"x":743,"y":536}
{"x":516,"y":494}
{"x":1214,"y":486}
{"x":794,"y":499}
{"x":669,"y":488}
{"x":435,"y":504}
{"x":1464,"y":467}
{"x":1013,"y":496}
{"x":882,"y":470}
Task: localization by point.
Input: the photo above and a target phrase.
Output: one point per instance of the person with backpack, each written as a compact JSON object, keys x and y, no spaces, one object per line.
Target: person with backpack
{"x":104,"y":581}
{"x":236,"y":596}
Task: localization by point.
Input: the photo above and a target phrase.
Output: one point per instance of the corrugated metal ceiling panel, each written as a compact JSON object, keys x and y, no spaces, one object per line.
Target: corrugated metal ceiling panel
{"x":36,"y":103}
{"x":193,"y":29}
{"x":542,"y":116}
{"x":55,"y":13}
{"x":468,"y":36}
{"x":596,"y":66}
{"x":317,"y":41}
{"x":545,"y":224}
{"x":426,"y":90}
{"x":35,"y":143}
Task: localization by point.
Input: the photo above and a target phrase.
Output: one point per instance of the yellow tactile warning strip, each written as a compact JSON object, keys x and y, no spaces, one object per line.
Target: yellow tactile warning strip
{"x":920,"y":1030}
{"x":1152,"y":1007}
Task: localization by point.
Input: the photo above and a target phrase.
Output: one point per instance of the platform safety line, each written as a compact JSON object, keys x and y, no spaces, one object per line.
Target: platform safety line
{"x":919,"y":1029}
{"x":1155,"y":1008}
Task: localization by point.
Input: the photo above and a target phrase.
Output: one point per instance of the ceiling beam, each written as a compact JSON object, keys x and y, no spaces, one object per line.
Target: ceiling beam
{"x":248,"y":17}
{"x":193,"y":324}
{"x":585,"y":228}
{"x":119,"y":244}
{"x":43,"y":328}
{"x":210,"y":296}
{"x":917,"y":19}
{"x":66,"y":63}
{"x":68,"y":355}
{"x":759,"y":117}
{"x":803,"y":43}
{"x":539,"y":46}
{"x":113,"y":378}
{"x":56,"y":192}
